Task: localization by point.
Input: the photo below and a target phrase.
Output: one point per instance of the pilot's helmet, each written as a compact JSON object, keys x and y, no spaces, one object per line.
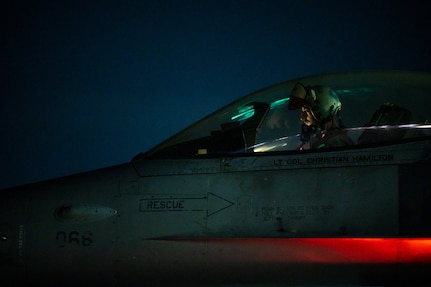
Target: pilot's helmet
{"x":326,"y":104}
{"x":323,"y":101}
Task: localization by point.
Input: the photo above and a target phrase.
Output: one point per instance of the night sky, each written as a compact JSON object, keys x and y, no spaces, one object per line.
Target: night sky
{"x":90,"y":84}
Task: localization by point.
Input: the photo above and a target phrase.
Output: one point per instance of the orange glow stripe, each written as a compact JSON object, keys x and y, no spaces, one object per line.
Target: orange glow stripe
{"x":322,"y":250}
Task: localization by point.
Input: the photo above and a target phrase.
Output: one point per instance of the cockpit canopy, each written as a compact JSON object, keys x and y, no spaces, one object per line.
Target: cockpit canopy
{"x":378,"y":108}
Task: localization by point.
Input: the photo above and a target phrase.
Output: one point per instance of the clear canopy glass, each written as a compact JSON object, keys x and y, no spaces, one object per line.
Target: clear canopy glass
{"x":378,"y":107}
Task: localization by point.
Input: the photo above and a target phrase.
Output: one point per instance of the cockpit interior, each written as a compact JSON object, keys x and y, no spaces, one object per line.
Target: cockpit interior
{"x":377,"y":108}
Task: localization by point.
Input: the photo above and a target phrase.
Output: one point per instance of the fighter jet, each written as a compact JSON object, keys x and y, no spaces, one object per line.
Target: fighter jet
{"x":319,"y":180}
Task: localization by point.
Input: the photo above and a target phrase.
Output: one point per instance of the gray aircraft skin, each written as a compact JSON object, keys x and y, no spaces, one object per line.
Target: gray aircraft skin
{"x":233,"y":200}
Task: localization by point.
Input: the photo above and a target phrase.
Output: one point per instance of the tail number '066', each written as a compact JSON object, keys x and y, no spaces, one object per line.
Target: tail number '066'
{"x":64,"y":238}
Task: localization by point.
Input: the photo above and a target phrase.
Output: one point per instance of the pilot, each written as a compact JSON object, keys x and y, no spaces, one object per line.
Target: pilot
{"x":320,"y":116}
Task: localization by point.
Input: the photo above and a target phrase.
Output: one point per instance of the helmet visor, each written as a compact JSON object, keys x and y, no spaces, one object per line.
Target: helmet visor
{"x":297,"y":97}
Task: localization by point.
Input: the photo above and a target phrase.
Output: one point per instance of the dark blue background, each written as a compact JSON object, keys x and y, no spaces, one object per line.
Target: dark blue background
{"x":88,"y":84}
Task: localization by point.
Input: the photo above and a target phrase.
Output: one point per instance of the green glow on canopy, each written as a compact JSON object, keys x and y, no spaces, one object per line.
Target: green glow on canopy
{"x":278,"y":103}
{"x":244,"y":113}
